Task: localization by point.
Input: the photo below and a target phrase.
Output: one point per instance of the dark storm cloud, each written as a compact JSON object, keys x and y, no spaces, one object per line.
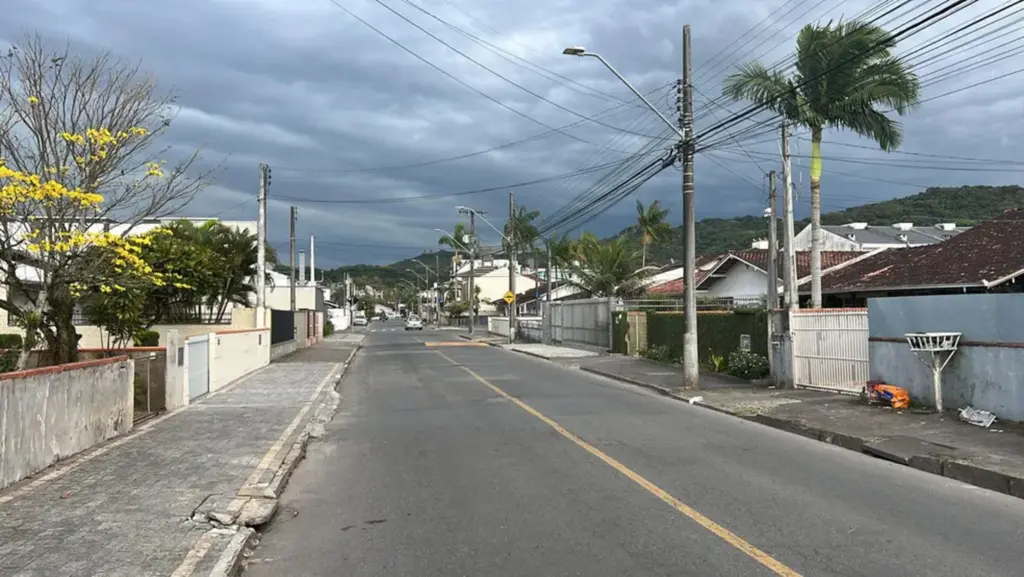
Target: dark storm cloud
{"x":315,"y":94}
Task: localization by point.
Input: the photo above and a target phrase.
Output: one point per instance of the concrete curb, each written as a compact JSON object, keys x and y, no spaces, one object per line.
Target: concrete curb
{"x":948,"y":467}
{"x":230,"y":560}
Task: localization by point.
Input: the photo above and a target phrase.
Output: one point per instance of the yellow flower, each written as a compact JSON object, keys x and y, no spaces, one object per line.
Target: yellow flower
{"x":33,"y":100}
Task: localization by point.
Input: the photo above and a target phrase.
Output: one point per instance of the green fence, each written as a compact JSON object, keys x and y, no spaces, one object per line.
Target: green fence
{"x":718,"y":332}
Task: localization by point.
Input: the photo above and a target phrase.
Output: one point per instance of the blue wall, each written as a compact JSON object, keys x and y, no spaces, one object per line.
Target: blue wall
{"x":990,"y":378}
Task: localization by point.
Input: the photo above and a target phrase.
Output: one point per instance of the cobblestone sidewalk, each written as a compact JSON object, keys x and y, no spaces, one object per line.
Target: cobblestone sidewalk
{"x":138,"y":506}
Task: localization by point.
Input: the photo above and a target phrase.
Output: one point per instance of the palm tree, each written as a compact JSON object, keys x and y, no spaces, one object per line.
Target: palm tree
{"x":458,"y":233}
{"x":843,"y":72}
{"x":606,"y":269}
{"x":650,"y":223}
{"x":522,"y":231}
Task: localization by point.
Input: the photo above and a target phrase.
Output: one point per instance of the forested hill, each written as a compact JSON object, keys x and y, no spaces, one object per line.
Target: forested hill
{"x":966,"y":205}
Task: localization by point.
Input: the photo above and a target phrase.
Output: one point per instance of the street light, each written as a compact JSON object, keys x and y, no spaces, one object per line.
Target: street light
{"x":691,"y":369}
{"x":455,"y":240}
{"x":437,"y":274}
{"x":487,"y":222}
{"x":581,"y":52}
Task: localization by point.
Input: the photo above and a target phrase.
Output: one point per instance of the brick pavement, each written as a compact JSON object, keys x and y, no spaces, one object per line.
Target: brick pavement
{"x":127,"y":507}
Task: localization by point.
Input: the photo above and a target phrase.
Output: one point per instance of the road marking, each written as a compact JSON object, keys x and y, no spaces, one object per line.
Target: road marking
{"x":697,"y":517}
{"x":454,"y":344}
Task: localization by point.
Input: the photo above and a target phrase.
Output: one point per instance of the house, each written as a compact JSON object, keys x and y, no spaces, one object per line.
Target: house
{"x":741,"y":277}
{"x":308,"y":295}
{"x":861,"y":236}
{"x":490,"y":275}
{"x":987,"y":258}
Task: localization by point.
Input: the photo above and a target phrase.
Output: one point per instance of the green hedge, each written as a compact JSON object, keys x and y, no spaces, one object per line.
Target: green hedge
{"x":717,"y":332}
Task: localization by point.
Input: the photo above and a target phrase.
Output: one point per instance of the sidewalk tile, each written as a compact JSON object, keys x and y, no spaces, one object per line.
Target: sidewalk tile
{"x":127,"y":511}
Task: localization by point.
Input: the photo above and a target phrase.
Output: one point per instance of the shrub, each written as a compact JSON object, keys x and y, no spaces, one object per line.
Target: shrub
{"x":717,"y":362}
{"x":748,"y":365}
{"x":660,"y":353}
{"x":328,"y":328}
{"x":10,"y":348}
{"x":147,"y":338}
{"x":620,"y":332}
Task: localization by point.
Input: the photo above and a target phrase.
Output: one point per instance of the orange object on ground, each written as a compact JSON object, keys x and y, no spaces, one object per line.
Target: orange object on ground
{"x":896,"y":397}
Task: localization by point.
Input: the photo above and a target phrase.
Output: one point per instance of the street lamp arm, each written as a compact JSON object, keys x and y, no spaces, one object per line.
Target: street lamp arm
{"x":487,"y":222}
{"x":581,"y":53}
{"x":455,"y":240}
{"x":418,"y":275}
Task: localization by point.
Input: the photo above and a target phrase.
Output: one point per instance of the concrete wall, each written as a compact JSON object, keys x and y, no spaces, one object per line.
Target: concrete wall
{"x":987,"y":372}
{"x":176,"y":373}
{"x":237,"y":353}
{"x":241,"y":318}
{"x":52,"y":413}
{"x":301,"y":329}
{"x":282,"y":349}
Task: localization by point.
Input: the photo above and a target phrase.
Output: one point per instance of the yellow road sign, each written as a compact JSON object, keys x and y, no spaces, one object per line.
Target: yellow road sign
{"x":509,"y":297}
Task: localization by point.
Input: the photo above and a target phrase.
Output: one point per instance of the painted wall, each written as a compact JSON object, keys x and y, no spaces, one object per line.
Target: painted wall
{"x":237,"y":353}
{"x":742,"y":280}
{"x":52,"y":413}
{"x":987,"y":372}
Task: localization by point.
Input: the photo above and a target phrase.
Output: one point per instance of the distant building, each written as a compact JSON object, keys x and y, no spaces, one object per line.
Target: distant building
{"x":864,"y":237}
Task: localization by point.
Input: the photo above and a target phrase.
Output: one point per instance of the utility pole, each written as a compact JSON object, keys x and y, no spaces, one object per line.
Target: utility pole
{"x":511,"y":266}
{"x":547,"y":299}
{"x":472,"y":269}
{"x":691,"y":362}
{"x":789,"y":263}
{"x":294,"y":214}
{"x":261,"y":248}
{"x":773,"y":248}
{"x":437,"y":291}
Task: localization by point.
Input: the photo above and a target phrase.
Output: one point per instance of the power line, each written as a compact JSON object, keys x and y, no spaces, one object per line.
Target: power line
{"x":494,"y":72}
{"x":453,"y":77}
{"x":446,"y":194}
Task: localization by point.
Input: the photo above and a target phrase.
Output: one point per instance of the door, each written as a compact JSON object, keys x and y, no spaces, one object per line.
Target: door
{"x":198,"y":366}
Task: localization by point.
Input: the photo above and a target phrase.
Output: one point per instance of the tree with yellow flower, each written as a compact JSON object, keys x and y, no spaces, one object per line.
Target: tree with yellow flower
{"x":80,"y":170}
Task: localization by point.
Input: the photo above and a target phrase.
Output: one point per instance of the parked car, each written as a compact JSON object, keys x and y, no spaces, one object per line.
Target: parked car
{"x":413,"y":323}
{"x":360,"y":322}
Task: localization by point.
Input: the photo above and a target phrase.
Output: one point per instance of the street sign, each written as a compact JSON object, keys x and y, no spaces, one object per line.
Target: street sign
{"x":509,"y":297}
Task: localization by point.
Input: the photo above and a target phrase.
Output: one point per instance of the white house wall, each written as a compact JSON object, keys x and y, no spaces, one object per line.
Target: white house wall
{"x":741,"y":280}
{"x":829,"y":241}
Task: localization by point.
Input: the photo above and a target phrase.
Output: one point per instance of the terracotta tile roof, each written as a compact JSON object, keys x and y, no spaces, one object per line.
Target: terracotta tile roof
{"x":986,"y":253}
{"x":758,"y":258}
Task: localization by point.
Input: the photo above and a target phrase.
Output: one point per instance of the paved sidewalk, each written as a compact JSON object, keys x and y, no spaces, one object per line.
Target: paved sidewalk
{"x":170,"y":497}
{"x":939,"y":444}
{"x":549,"y":352}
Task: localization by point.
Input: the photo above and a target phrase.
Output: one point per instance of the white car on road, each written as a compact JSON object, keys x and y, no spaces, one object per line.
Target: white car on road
{"x":413,"y":323}
{"x":360,"y":322}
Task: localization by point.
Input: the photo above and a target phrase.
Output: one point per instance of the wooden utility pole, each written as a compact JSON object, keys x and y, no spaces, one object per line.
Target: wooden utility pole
{"x":472,"y":271}
{"x":691,"y":361}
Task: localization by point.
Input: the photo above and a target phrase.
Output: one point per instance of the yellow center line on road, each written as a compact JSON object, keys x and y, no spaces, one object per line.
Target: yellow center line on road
{"x":697,"y":517}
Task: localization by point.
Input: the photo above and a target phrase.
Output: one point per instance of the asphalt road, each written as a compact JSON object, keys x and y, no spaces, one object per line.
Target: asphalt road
{"x":474,"y":461}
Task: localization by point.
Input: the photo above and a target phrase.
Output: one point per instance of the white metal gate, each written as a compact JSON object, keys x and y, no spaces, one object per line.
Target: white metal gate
{"x":556,"y":322}
{"x":198,"y":366}
{"x":830,"y":349}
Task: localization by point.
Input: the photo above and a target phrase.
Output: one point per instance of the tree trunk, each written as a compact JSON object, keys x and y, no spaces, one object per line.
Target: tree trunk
{"x":816,"y":218}
{"x":643,"y":259}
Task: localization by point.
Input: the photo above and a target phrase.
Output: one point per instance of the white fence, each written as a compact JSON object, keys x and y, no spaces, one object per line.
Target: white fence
{"x":585,"y":323}
{"x":830,"y":349}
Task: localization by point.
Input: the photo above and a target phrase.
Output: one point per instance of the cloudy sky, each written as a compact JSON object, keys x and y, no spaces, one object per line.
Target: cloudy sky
{"x":377,"y":146}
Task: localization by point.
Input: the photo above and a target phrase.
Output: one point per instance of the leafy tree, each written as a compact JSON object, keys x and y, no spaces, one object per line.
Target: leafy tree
{"x":76,"y":135}
{"x":844,"y":71}
{"x":651,"y":225}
